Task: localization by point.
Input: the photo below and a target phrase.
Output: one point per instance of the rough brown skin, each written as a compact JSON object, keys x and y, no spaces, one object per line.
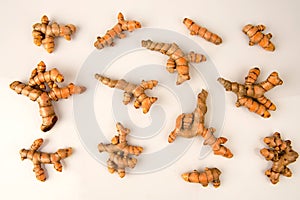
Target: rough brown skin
{"x":257,"y":37}
{"x":196,"y":29}
{"x":178,"y":61}
{"x":45,"y":33}
{"x":117,"y":31}
{"x":120,"y":151}
{"x":204,"y":177}
{"x":38,"y":158}
{"x":36,"y":90}
{"x":192,"y":124}
{"x":251,"y":94}
{"x":132,"y":90}
{"x":280,"y":152}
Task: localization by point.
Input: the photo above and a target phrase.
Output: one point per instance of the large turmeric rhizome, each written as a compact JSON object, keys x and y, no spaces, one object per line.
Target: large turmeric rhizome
{"x":43,"y":88}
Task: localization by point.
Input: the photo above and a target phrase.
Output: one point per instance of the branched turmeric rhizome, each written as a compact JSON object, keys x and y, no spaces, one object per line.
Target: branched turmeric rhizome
{"x":280,"y":152}
{"x":257,"y":37}
{"x":190,"y":125}
{"x":120,"y":152}
{"x":132,"y":90}
{"x":178,"y":60}
{"x":117,"y":31}
{"x":42,"y":88}
{"x":38,"y":158}
{"x":44,"y":33}
{"x":251,"y":94}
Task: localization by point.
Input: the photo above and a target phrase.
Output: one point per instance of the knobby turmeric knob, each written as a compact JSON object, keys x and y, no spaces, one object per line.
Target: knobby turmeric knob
{"x":45,"y":33}
{"x":209,"y":175}
{"x":120,"y":152}
{"x":257,"y":37}
{"x":280,"y":152}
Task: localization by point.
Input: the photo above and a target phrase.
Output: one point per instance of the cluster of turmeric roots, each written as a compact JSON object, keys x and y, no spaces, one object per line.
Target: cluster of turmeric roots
{"x":43,"y":88}
{"x":280,"y":152}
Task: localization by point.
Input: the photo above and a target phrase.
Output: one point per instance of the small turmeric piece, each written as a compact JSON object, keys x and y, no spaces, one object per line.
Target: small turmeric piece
{"x":251,"y":94}
{"x":38,"y":158}
{"x":208,"y":175}
{"x":178,"y":61}
{"x":257,"y":37}
{"x":45,"y":33}
{"x":132,"y":90}
{"x":190,"y":125}
{"x":280,"y":152}
{"x":196,"y":29}
{"x":36,"y":90}
{"x":120,"y":151}
{"x":117,"y":31}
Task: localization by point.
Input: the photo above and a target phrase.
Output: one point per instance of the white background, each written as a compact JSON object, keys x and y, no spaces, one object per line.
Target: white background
{"x":83,"y":177}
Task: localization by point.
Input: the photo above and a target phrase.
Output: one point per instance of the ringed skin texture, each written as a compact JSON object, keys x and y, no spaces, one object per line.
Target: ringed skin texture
{"x":120,"y":152}
{"x":40,"y":158}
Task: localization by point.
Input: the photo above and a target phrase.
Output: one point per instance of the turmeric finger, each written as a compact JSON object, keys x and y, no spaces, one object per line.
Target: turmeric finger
{"x":204,"y":177}
{"x":196,"y":29}
{"x":45,"y":33}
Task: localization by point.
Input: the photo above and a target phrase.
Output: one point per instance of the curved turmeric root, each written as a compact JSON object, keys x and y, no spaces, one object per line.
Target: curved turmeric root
{"x":280,"y":152}
{"x":178,"y":61}
{"x":190,"y":125}
{"x":120,"y":151}
{"x":251,"y":94}
{"x":38,"y":158}
{"x":132,"y":90}
{"x":196,"y":29}
{"x":208,"y":175}
{"x":35,"y":90}
{"x":257,"y":37}
{"x":117,"y":31}
{"x":44,"y":33}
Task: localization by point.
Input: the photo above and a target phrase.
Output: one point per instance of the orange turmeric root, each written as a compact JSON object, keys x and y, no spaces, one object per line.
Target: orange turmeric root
{"x":251,"y":94}
{"x":44,"y":33}
{"x":205,"y":177}
{"x":36,"y":90}
{"x":132,"y":90}
{"x":257,"y":37}
{"x":117,"y":31}
{"x":190,"y":125}
{"x":280,"y":152}
{"x":120,"y":151}
{"x":196,"y":29}
{"x":38,"y":158}
{"x":178,"y":61}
